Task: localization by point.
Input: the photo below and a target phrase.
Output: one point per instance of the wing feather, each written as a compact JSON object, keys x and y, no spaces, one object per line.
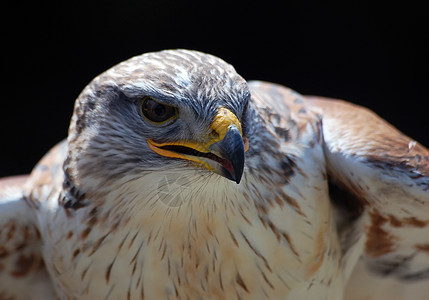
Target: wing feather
{"x":388,"y":175}
{"x":22,"y":272}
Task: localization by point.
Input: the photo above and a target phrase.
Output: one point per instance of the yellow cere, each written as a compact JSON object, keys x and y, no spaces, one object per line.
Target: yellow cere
{"x":221,"y":122}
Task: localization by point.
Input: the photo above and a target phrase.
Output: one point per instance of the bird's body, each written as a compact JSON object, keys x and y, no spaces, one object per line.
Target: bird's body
{"x":134,"y":205}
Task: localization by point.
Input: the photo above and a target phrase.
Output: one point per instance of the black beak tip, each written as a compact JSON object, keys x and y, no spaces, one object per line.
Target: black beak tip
{"x":238,"y":179}
{"x":232,"y":175}
{"x":238,"y":169}
{"x":233,"y":151}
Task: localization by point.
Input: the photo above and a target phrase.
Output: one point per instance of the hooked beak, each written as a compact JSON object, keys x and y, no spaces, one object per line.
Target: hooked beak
{"x":231,"y":151}
{"x":222,"y":152}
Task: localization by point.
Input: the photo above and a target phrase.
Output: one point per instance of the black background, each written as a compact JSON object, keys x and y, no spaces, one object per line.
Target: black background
{"x":372,"y":54}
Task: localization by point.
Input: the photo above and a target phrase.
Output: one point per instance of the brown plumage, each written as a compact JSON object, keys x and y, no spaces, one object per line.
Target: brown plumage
{"x":179,"y":180}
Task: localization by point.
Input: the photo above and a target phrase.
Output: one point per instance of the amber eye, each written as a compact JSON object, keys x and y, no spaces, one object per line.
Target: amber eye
{"x":157,"y":112}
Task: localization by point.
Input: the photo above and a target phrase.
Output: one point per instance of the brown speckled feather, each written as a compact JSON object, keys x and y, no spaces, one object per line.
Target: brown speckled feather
{"x":388,"y":175}
{"x":333,"y":202}
{"x":372,"y":138}
{"x":47,"y":177}
{"x":22,"y":271}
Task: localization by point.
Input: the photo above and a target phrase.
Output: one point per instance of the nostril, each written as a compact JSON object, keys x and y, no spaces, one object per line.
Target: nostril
{"x":214,"y":134}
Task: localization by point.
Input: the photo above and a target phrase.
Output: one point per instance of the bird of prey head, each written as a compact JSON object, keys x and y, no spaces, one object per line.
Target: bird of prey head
{"x":163,"y":110}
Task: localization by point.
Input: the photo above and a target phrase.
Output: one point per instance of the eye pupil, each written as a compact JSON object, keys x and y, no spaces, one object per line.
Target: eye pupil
{"x":159,"y":110}
{"x":155,"y":111}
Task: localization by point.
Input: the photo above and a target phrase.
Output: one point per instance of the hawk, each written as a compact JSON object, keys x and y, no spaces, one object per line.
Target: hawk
{"x":180,"y":180}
